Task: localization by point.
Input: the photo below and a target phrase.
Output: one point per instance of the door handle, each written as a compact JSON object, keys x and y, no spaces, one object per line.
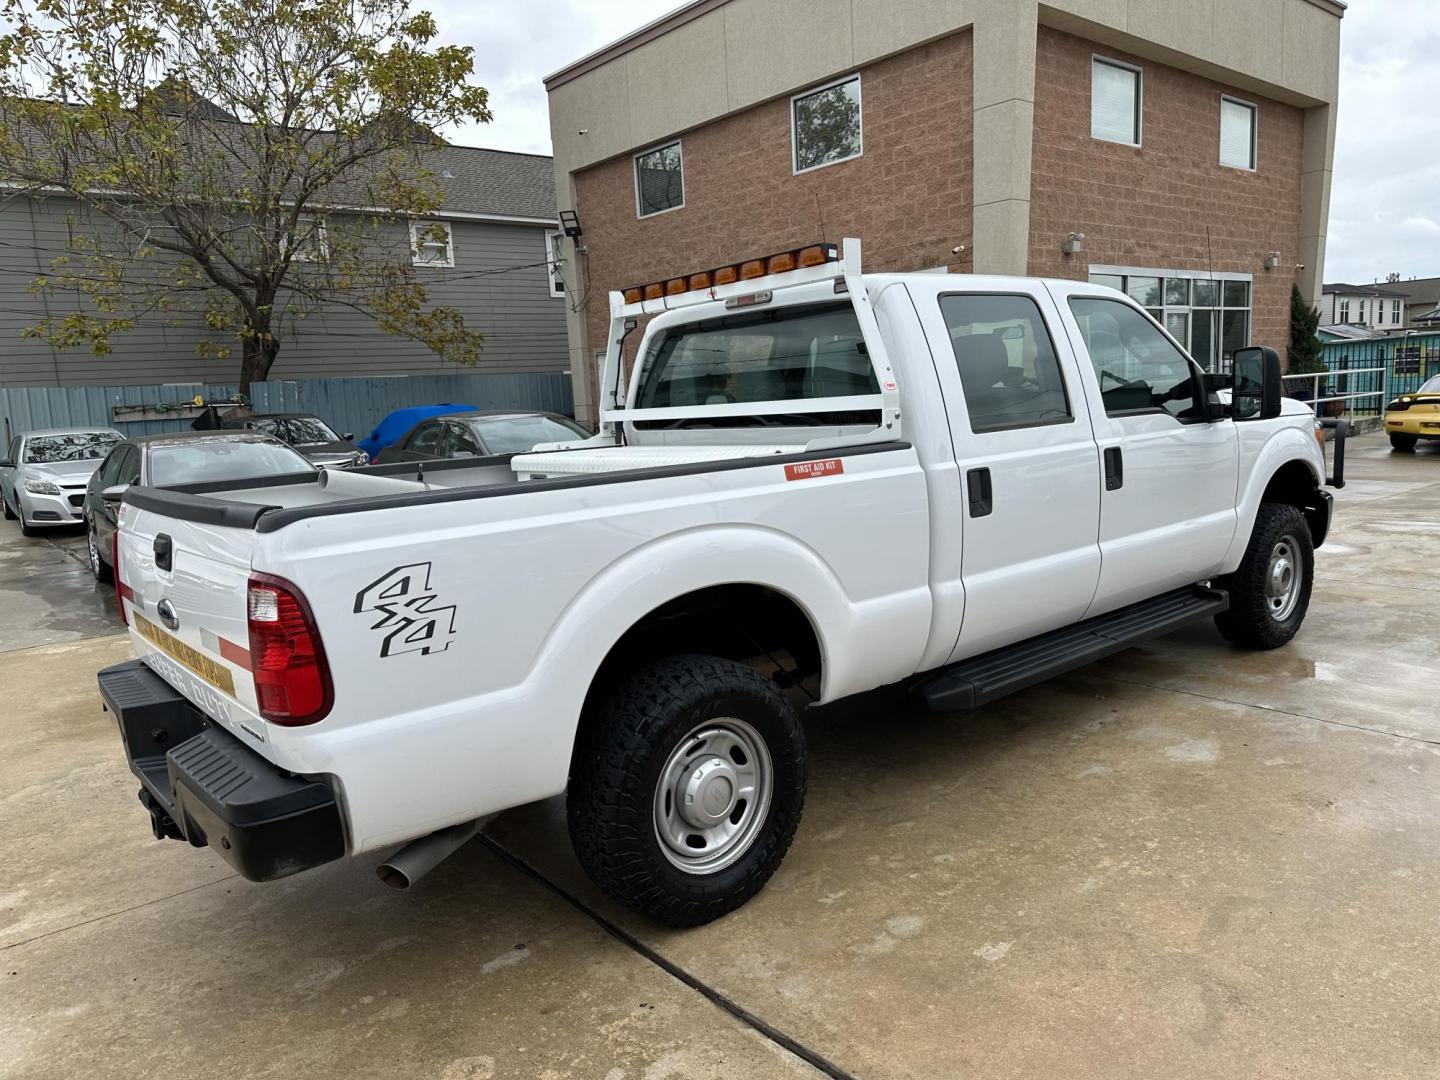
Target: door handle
{"x":164,"y":552}
{"x":1114,"y":469}
{"x":977,"y":486}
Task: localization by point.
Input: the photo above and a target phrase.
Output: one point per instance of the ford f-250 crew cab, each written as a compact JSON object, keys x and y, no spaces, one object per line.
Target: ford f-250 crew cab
{"x":817,"y":478}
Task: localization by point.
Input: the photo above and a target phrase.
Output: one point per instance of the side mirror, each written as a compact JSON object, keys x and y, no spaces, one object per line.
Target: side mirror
{"x":1255,"y":387}
{"x":349,"y":436}
{"x":114,"y":493}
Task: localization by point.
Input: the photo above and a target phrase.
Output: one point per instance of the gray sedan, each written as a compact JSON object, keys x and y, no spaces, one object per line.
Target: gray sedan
{"x":44,"y":473}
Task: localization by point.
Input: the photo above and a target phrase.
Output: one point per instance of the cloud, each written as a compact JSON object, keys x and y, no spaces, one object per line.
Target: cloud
{"x":1385,"y":203}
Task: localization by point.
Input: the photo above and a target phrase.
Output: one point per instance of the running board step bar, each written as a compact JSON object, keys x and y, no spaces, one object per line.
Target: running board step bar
{"x":981,"y":679}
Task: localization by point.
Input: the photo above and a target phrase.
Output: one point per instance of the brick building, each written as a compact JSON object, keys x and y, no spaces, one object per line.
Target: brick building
{"x":1177,"y":149}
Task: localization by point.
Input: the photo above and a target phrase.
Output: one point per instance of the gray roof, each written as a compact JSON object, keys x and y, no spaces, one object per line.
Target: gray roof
{"x":1351,"y":331}
{"x":472,"y":180}
{"x":1418,"y":290}
{"x":495,"y":181}
{"x":1364,"y":290}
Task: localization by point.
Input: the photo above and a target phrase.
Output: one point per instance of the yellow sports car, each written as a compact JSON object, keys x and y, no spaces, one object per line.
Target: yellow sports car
{"x":1414,"y":416}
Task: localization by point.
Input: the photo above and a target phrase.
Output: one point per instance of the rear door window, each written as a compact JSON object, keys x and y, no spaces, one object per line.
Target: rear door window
{"x":427,"y":440}
{"x":1139,"y":368}
{"x":1007,"y":362}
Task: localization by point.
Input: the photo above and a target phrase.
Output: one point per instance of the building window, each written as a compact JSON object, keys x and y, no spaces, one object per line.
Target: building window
{"x":659,"y":180}
{"x":1237,"y":133}
{"x":1209,"y":315}
{"x":432,"y":244}
{"x":825,"y":125}
{"x":1395,"y":311}
{"x":555,"y":262}
{"x":1344,"y":311}
{"x":1114,"y":102}
{"x":311,"y":244}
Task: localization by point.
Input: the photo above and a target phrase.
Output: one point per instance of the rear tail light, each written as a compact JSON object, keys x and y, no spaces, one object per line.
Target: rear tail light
{"x":123,"y":592}
{"x":292,"y":678}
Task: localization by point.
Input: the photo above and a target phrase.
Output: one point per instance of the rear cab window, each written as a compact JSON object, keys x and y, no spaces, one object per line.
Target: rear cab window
{"x":1140,"y":370}
{"x":812,"y":353}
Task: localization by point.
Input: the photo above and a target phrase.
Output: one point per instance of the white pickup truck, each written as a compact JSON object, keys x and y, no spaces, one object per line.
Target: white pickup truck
{"x":818,"y":482}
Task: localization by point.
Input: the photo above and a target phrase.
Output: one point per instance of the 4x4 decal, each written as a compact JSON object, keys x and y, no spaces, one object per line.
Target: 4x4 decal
{"x":410,"y":615}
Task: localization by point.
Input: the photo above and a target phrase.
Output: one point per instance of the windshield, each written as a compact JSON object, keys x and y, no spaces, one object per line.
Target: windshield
{"x":77,"y":446}
{"x":782,"y":355}
{"x":1430,"y":386}
{"x":203,"y":461}
{"x":297,"y":429}
{"x":516,"y":434}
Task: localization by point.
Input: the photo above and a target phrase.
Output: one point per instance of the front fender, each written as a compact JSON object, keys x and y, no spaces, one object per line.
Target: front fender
{"x":1267,"y":452}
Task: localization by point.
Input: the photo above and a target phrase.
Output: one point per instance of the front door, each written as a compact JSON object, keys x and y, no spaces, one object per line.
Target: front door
{"x":1028,"y":464}
{"x":1168,"y":501}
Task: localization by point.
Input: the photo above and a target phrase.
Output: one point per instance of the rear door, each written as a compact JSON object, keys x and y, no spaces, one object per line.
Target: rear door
{"x":1028,"y":462}
{"x":1168,"y":505}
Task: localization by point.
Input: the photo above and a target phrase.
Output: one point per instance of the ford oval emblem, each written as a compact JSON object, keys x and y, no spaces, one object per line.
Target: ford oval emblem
{"x":166,"y":610}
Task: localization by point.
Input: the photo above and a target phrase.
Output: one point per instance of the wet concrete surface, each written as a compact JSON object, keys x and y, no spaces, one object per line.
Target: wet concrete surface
{"x":46,"y":590}
{"x":1186,"y":861}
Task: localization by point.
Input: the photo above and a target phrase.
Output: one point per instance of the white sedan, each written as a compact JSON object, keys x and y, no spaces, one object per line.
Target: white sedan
{"x":44,"y":473}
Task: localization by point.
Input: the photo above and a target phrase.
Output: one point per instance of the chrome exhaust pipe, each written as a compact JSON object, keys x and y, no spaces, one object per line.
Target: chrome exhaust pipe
{"x":419,"y":857}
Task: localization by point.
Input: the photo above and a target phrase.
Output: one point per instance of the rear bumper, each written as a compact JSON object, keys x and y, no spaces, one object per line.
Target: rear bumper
{"x":202,"y":785}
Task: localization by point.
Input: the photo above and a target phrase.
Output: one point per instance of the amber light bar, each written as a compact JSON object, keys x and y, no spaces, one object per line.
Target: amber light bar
{"x":744,"y":270}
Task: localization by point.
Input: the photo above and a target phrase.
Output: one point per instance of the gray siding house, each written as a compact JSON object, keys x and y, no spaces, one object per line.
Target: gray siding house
{"x":499,"y":213}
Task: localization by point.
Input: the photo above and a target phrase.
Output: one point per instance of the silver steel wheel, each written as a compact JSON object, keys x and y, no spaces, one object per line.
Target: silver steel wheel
{"x":713,"y":795}
{"x":1282,"y":579}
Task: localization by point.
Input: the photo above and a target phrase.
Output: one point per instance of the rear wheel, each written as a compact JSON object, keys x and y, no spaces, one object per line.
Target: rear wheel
{"x":1402,"y":442}
{"x":686,"y":788}
{"x":1270,"y":592}
{"x":98,"y":566}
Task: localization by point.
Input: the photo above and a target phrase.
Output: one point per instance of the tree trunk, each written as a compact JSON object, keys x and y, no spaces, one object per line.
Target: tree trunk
{"x":256,"y":360}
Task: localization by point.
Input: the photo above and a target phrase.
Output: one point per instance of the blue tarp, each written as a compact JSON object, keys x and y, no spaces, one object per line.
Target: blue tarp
{"x":399,"y":422}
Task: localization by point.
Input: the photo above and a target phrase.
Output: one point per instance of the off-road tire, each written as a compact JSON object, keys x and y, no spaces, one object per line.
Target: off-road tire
{"x":620,"y":753}
{"x":1250,"y":623}
{"x":1402,"y":442}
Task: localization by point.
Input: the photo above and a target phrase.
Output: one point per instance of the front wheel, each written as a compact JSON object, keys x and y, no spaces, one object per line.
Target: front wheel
{"x":1270,"y":592}
{"x":1402,"y":442}
{"x":5,"y":505}
{"x":26,"y":529}
{"x":686,"y":788}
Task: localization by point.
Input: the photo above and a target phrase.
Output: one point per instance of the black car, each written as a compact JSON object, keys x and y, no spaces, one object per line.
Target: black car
{"x":307,"y":433}
{"x":174,"y":458}
{"x":481,"y":433}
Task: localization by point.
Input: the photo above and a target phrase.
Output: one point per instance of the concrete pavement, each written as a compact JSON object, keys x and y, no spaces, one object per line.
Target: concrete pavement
{"x":1186,"y":861}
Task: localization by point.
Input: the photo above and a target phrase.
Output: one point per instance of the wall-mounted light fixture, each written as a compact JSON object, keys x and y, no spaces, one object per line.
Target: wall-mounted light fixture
{"x":570,"y":223}
{"x":1272,"y":260}
{"x":1073,"y":243}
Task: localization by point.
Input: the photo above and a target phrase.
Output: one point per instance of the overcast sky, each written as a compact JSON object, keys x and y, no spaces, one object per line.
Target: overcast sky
{"x":1384,"y":210}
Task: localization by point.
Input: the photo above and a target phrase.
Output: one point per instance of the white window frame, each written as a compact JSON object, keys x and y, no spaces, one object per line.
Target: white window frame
{"x":1098,"y":58}
{"x":679,"y":144}
{"x":1395,"y":311}
{"x":854,"y":77}
{"x":320,"y":252}
{"x":553,"y":263}
{"x":1343,"y":310}
{"x":415,"y":260}
{"x":1254,"y":132}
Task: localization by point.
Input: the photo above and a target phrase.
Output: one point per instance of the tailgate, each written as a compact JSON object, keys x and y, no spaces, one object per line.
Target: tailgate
{"x":185,"y":586}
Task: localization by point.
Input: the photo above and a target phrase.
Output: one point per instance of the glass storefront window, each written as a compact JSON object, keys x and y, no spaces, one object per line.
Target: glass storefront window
{"x":1209,"y":316}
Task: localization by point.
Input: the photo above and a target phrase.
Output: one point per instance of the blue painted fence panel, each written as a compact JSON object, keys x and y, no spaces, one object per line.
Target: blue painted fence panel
{"x":1408,"y":361}
{"x":353,"y":405}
